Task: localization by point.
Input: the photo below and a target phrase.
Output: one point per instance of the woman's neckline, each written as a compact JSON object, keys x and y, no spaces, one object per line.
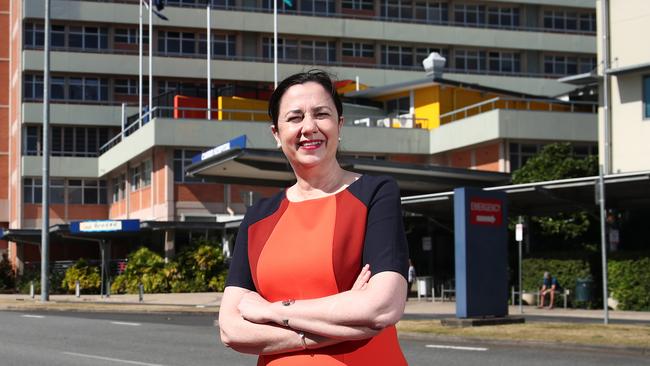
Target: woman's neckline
{"x":339,"y":191}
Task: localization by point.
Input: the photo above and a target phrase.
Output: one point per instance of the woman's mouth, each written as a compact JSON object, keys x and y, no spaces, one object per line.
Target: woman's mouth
{"x":310,"y":144}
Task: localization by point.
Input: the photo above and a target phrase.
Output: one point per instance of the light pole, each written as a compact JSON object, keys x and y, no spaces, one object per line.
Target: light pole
{"x":45,"y":226}
{"x":209,"y":52}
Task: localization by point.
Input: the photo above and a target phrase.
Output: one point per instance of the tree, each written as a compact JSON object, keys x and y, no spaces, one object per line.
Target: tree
{"x":553,"y":162}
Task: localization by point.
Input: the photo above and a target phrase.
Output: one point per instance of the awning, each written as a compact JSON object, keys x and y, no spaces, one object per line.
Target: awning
{"x":62,"y":231}
{"x":271,"y":168}
{"x":623,"y":191}
{"x":628,"y":69}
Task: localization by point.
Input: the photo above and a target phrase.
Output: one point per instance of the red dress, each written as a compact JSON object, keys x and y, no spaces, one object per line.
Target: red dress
{"x":316,"y":248}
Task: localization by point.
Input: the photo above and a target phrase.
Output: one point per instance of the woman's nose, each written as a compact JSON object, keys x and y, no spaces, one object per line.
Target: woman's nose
{"x":309,"y":124}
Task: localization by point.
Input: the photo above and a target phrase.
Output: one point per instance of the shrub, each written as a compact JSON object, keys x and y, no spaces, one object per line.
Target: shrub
{"x":567,"y":272}
{"x":146,"y":267}
{"x":7,"y":275}
{"x":199,"y":268}
{"x":88,"y":277}
{"x":629,"y":283}
{"x":31,"y":273}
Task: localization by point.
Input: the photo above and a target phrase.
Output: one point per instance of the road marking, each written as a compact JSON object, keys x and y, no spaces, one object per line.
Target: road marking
{"x":127,"y":323}
{"x":111,"y":359}
{"x":460,"y":348}
{"x":33,"y":316}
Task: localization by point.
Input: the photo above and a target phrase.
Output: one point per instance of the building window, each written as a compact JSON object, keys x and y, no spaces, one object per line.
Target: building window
{"x":176,"y":43}
{"x":646,"y":97}
{"x":503,"y":16}
{"x":396,"y":55}
{"x":397,"y":9}
{"x":355,"y":49}
{"x":135,"y":178}
{"x":57,"y":191}
{"x":32,"y":140}
{"x":561,"y":65}
{"x":118,"y":193}
{"x":73,"y":141}
{"x":431,"y":11}
{"x":283,"y":6}
{"x":570,"y":20}
{"x":88,"y":38}
{"x":34,"y":35}
{"x":33,"y":87}
{"x":86,"y":191}
{"x":57,"y":36}
{"x":469,"y":14}
{"x":358,"y":4}
{"x":222,"y":45}
{"x":183,"y":159}
{"x":309,"y":51}
{"x":87,"y":89}
{"x":32,"y":190}
{"x":323,"y":7}
{"x":130,"y":36}
{"x":398,"y":107}
{"x":503,"y":61}
{"x":287,"y":48}
{"x":469,"y":60}
{"x":129,"y":87}
{"x":146,"y":173}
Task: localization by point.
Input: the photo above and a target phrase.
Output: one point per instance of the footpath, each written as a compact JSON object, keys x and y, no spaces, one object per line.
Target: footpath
{"x":628,"y":331}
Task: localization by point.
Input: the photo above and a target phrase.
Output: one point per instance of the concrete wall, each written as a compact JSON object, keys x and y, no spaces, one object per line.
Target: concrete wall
{"x":76,"y":114}
{"x":63,"y":167}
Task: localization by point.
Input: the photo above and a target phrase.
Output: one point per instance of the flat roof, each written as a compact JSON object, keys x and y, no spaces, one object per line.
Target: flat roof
{"x":628,"y":190}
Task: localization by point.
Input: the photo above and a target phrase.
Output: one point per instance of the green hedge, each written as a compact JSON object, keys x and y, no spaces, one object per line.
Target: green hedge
{"x":7,"y":275}
{"x":567,"y":271}
{"x":87,"y":275}
{"x":629,"y":283}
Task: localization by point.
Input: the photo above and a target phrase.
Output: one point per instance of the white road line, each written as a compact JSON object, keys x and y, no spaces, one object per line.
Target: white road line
{"x":127,"y":323}
{"x":111,"y":359}
{"x":33,"y":316}
{"x":460,"y":348}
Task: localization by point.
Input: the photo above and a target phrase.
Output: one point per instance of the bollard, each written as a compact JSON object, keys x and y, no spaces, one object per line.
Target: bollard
{"x":108,"y":288}
{"x":77,"y":289}
{"x":141,"y":287}
{"x":31,"y":289}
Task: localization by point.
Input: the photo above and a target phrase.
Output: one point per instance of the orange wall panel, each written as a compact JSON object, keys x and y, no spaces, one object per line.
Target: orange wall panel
{"x":461,"y":159}
{"x":487,"y":157}
{"x":5,"y":32}
{"x":160,"y":174}
{"x":87,"y":212}
{"x":35,"y":211}
{"x":4,"y":129}
{"x":145,"y":198}
{"x":209,"y":192}
{"x":134,"y":201}
{"x":415,"y":159}
{"x":4,"y":176}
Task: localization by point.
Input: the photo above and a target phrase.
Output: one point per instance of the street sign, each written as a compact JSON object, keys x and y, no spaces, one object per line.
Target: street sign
{"x":104,"y":226}
{"x":519,"y":232}
{"x":485,"y":211}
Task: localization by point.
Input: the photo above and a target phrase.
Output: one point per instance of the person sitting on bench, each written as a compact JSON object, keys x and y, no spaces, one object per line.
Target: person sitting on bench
{"x":549,"y":286}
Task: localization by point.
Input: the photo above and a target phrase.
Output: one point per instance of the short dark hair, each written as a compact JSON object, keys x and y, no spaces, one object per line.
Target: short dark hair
{"x":316,"y":76}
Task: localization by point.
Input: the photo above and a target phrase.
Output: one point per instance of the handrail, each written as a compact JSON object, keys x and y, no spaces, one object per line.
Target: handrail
{"x":491,"y":104}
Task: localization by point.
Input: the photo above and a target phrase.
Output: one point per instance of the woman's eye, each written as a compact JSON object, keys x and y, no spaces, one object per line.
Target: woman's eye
{"x":322,"y":115}
{"x":294,"y":119}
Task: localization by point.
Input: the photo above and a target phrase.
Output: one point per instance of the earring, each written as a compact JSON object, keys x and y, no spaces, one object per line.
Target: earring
{"x":339,"y":138}
{"x":279,"y":145}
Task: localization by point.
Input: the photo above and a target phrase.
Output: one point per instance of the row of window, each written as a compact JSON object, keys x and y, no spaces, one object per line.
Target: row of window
{"x":568,"y":65}
{"x":187,"y":43}
{"x":89,"y":89}
{"x":67,"y":141}
{"x":73,"y":191}
{"x":570,"y":20}
{"x":521,"y":152}
{"x":139,"y":177}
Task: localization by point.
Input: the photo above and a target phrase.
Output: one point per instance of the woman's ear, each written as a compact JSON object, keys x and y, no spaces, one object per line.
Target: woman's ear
{"x":276,"y":136}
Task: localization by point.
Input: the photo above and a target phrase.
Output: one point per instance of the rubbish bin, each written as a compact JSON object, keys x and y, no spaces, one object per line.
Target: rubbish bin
{"x":583,"y":289}
{"x":424,"y":286}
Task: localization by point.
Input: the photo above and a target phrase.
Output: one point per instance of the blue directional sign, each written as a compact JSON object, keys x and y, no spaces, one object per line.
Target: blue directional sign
{"x":104,"y":226}
{"x":236,"y":143}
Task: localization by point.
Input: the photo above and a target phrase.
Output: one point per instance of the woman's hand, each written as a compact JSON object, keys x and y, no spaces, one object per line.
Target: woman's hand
{"x":362,"y":279}
{"x":255,"y":308}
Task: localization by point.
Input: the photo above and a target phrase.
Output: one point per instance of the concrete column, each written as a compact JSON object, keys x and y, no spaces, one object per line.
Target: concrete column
{"x":170,"y":248}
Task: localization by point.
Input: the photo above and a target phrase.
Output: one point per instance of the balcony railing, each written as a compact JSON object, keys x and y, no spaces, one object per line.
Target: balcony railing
{"x":410,"y":20}
{"x":518,"y":104}
{"x":316,"y":63}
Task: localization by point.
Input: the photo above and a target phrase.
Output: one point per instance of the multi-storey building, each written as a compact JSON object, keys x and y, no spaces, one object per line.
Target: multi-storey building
{"x":520,"y":46}
{"x":628,"y":89}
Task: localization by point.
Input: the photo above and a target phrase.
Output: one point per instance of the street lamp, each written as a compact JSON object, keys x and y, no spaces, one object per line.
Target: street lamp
{"x":160,"y":5}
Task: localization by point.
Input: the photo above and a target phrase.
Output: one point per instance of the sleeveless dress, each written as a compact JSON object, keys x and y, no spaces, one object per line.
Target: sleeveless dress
{"x":316,"y":248}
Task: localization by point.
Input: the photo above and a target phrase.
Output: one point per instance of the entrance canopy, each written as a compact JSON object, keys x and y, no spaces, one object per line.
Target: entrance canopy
{"x":234,"y":163}
{"x":628,"y":190}
{"x":67,"y":232}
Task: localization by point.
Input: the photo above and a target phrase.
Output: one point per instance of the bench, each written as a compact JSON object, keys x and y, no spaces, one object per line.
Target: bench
{"x":564,"y":293}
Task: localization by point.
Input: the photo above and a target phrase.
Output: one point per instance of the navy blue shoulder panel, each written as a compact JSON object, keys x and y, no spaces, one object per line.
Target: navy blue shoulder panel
{"x":239,"y":274}
{"x":385,"y":247}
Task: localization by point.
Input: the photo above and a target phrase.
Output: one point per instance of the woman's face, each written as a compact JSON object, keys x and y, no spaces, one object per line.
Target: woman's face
{"x":308,"y":125}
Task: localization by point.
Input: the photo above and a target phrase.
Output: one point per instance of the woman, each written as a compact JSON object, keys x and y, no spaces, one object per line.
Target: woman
{"x":318,"y":272}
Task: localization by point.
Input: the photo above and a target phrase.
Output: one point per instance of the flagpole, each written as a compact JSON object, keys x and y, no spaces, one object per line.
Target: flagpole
{"x":140,"y":40}
{"x":209,"y":52}
{"x":275,"y":43}
{"x":150,"y":59}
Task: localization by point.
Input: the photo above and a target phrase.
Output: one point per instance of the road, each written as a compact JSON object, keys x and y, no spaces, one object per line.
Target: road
{"x":71,"y":338}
